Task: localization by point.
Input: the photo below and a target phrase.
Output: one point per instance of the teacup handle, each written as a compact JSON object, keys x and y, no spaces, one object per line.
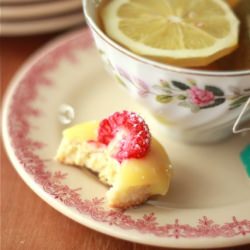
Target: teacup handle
{"x":237,"y":122}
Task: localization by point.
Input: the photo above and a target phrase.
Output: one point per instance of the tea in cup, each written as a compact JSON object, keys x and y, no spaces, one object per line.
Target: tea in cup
{"x":197,"y":104}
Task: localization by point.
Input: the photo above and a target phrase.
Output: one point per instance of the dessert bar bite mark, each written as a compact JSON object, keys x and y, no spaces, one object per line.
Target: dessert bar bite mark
{"x":122,"y":152}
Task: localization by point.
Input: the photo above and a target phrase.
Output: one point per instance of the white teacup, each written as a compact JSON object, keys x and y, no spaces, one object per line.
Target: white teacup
{"x":195,"y":105}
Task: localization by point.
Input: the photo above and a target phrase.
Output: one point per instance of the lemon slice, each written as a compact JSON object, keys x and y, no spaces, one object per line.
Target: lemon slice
{"x":179,"y":32}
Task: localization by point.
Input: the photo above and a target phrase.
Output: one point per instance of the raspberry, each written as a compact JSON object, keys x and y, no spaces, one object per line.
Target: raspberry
{"x":134,"y":133}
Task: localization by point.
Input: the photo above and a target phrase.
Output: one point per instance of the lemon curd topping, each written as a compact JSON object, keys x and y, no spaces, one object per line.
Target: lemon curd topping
{"x":82,"y":132}
{"x":152,"y":171}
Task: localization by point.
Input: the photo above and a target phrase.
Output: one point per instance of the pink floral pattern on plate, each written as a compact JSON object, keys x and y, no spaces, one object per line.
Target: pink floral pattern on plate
{"x":26,"y":151}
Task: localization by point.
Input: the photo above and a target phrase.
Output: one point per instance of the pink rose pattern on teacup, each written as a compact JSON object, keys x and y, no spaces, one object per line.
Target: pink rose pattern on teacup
{"x":200,"y":96}
{"x":197,"y":98}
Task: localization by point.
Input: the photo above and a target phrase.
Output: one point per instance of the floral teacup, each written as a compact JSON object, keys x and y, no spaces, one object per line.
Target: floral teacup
{"x":194,"y":105}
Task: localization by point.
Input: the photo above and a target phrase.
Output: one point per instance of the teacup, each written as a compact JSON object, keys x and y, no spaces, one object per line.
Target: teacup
{"x":197,"y":106}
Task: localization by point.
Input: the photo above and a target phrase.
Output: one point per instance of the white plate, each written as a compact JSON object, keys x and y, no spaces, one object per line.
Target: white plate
{"x":208,"y":204}
{"x":39,"y":9}
{"x":41,"y":26}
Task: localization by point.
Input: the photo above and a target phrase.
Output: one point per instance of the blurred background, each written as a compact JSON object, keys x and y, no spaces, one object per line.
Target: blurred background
{"x":26,"y":25}
{"x":32,"y":17}
{"x":28,"y":222}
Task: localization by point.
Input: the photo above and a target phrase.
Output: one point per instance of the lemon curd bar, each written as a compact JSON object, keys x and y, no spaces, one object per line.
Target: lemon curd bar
{"x":123,"y":154}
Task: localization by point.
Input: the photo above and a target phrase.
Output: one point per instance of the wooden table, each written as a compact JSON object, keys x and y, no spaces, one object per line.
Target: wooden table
{"x":27,"y":221}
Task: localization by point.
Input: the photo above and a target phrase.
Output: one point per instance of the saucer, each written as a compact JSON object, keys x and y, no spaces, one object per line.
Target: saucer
{"x":208,"y":203}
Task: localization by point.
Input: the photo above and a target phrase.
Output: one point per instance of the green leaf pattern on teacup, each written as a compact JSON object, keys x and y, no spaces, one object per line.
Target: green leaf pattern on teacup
{"x":188,"y":94}
{"x":239,"y":97}
{"x":195,"y":98}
